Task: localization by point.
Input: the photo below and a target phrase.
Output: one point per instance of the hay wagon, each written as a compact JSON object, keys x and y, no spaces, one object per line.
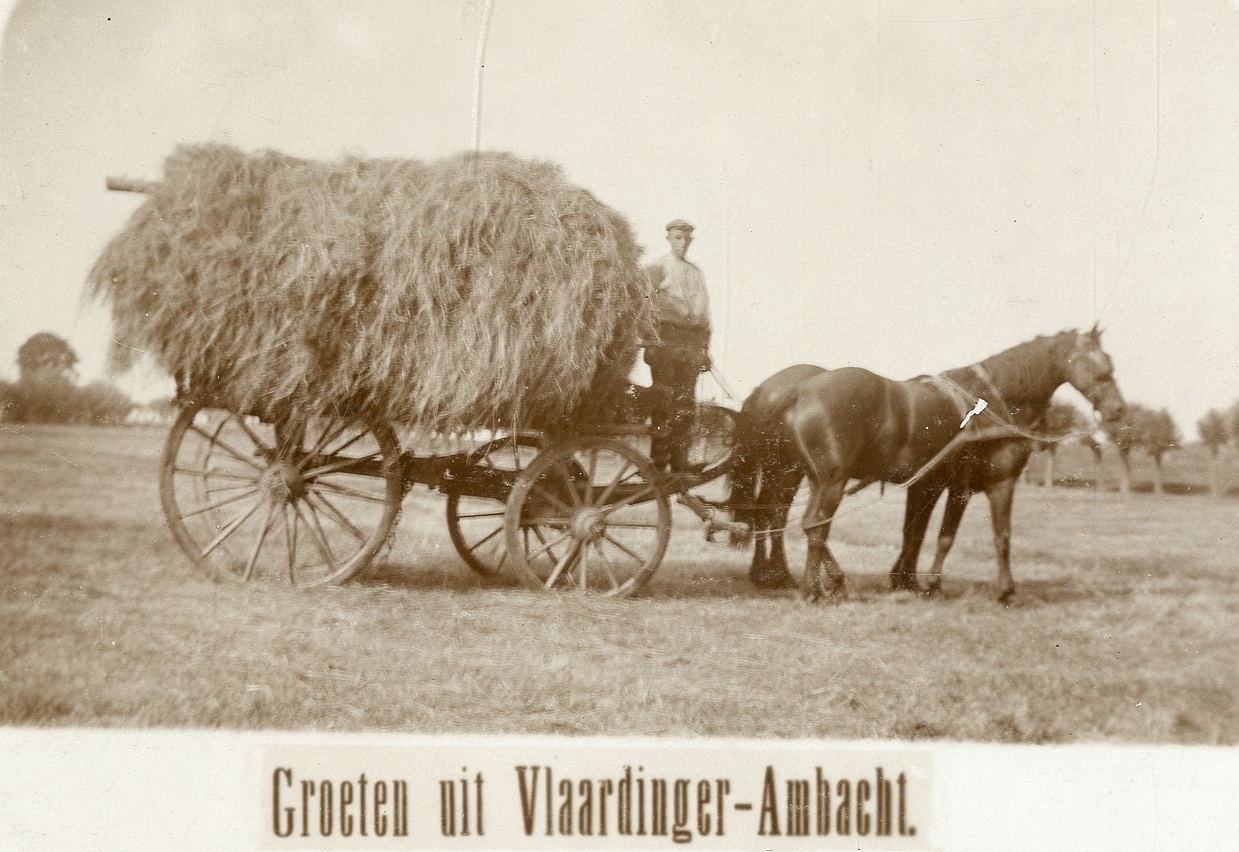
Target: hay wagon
{"x":322,"y":320}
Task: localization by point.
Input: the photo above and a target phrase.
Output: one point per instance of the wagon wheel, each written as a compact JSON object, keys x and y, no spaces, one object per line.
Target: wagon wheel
{"x":604,"y":532}
{"x":714,"y":437}
{"x":475,"y":522}
{"x":248,"y":501}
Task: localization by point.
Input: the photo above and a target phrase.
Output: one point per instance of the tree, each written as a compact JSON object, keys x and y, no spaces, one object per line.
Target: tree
{"x":1089,"y":441}
{"x":1143,"y":428}
{"x":1122,"y":433}
{"x":1060,"y":420}
{"x":1232,"y":421}
{"x":47,"y":391}
{"x":1214,"y":431}
{"x":45,"y":358}
{"x":1157,"y":435}
{"x":8,"y":399}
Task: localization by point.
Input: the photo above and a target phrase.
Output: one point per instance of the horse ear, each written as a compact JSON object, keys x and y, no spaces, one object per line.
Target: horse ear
{"x":1095,"y":331}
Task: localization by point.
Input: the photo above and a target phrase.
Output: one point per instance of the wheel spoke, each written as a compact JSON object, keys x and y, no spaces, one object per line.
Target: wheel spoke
{"x":648,"y":492}
{"x":336,"y":515}
{"x":290,"y":536}
{"x":258,"y":442}
{"x":632,"y":525}
{"x":219,"y":489}
{"x":219,"y":503}
{"x":619,"y":477}
{"x":230,"y":528}
{"x":471,"y":515}
{"x":541,"y":489}
{"x":219,"y":442}
{"x":346,"y":491}
{"x":567,"y":478}
{"x":567,"y":559}
{"x":223,"y":474}
{"x":593,"y":471}
{"x":262,"y":536}
{"x":606,"y":567}
{"x":361,"y":433}
{"x":317,"y":534}
{"x":327,"y":436}
{"x":546,"y":546}
{"x":624,"y":548}
{"x":496,"y":531}
{"x":583,"y":562}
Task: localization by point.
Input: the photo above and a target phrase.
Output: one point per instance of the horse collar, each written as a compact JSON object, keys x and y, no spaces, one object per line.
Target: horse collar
{"x":984,"y":376}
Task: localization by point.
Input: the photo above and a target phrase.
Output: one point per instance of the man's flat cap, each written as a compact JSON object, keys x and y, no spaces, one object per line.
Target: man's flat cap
{"x":679,"y":225}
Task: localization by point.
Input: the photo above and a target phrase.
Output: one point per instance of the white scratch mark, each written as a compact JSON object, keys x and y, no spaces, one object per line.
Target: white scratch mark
{"x":976,"y":409}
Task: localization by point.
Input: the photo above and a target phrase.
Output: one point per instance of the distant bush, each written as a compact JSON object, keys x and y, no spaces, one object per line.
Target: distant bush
{"x":102,"y":404}
{"x":61,"y":401}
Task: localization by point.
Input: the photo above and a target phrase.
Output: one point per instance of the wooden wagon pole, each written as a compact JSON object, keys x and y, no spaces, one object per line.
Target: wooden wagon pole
{"x":132,"y":185}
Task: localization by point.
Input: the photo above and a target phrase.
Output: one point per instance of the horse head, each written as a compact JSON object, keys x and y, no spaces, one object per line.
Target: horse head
{"x":1090,"y":371}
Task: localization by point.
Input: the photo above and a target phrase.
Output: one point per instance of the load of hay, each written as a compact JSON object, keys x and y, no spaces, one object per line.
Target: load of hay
{"x":475,"y":291}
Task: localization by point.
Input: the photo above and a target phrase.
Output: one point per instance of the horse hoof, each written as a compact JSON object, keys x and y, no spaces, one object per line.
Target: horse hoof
{"x":1005,"y":596}
{"x":772,"y":580}
{"x":932,"y":590}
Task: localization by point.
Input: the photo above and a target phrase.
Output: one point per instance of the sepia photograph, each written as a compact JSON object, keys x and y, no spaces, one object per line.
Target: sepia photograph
{"x":636,"y":378}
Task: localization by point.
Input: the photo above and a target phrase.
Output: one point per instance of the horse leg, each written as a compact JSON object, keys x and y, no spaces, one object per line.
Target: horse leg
{"x":920,"y":506}
{"x":956,"y":502}
{"x":760,"y":566}
{"x":779,"y":492}
{"x":823,"y":503}
{"x":1001,"y":494}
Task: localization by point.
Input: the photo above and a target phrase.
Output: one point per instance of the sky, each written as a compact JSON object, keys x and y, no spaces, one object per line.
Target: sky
{"x":904,"y":185}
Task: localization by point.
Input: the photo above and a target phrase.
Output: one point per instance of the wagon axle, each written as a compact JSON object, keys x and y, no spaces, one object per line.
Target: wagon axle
{"x":282,"y":483}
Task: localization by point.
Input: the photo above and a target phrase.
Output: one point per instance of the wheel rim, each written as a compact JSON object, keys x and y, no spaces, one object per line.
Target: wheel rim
{"x":590,"y":516}
{"x":250,"y":502}
{"x":476,"y":524}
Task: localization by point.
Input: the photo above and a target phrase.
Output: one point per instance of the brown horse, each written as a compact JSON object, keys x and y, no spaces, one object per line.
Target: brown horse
{"x":838,"y":425}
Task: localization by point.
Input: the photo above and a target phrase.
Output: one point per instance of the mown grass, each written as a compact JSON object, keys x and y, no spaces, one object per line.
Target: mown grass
{"x":1123,"y":630}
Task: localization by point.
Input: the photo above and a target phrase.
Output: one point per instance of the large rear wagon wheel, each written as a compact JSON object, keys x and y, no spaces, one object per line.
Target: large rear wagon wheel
{"x":603,"y":532}
{"x":475,"y":521}
{"x":250,"y":502}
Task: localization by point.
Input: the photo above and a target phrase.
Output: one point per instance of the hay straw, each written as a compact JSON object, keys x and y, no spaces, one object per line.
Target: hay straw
{"x":471,"y":292}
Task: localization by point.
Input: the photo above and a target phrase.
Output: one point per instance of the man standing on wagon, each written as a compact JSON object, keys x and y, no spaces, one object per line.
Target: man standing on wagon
{"x":682,"y":308}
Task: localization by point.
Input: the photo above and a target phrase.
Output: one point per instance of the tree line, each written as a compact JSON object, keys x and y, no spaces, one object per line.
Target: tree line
{"x":47,"y":390}
{"x":1141,"y":428}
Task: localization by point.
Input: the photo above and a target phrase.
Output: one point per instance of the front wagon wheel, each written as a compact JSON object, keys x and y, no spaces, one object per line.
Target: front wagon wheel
{"x":250,"y":502}
{"x":590,"y":516}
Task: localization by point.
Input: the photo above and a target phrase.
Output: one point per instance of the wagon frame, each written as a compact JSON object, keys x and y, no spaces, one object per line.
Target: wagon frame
{"x":313,"y":504}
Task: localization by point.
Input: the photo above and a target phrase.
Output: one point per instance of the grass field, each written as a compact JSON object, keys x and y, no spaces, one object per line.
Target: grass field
{"x":1124,"y":629}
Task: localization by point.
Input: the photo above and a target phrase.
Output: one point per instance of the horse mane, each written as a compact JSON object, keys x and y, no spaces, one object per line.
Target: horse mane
{"x":1027,"y":373}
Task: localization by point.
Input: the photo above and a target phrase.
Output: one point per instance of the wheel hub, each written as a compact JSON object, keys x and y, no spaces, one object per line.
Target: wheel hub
{"x":589,"y":524}
{"x":282,"y":483}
